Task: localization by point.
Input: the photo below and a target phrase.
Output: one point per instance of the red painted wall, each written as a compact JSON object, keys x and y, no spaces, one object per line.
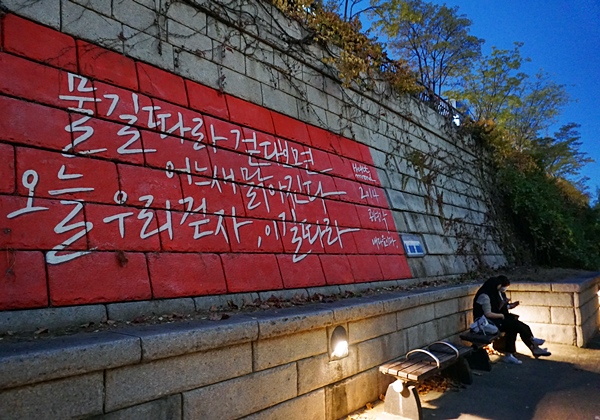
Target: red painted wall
{"x":120,"y":181}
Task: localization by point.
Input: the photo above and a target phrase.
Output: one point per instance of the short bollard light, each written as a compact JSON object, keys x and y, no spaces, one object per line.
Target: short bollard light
{"x":339,"y":343}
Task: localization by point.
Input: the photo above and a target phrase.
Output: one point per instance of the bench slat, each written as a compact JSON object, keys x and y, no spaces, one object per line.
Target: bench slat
{"x":420,"y":366}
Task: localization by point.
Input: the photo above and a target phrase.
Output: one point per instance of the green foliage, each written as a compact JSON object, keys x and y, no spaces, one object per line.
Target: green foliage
{"x":559,"y":156}
{"x":434,"y":39}
{"x":537,"y":177}
{"x":551,"y":217}
{"x":491,"y":86}
{"x":559,"y":230}
{"x":522,"y":106}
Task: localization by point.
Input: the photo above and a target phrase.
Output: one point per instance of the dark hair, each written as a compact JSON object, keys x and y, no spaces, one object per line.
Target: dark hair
{"x":504,"y":281}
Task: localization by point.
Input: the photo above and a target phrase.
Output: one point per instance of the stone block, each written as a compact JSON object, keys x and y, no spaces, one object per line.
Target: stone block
{"x":316,"y":97}
{"x":529,"y":287}
{"x":437,"y":245}
{"x":440,"y":294}
{"x":324,"y":290}
{"x":451,"y":325}
{"x":38,"y":361}
{"x":465,"y":303}
{"x":335,"y":105}
{"x":148,"y":48}
{"x":562,"y":316}
{"x":168,"y":340}
{"x":100,"y":6}
{"x":136,"y":16}
{"x":584,"y":296}
{"x":46,"y":12}
{"x":151,"y":4}
{"x":311,"y":114}
{"x":229,"y":301}
{"x":351,"y":394}
{"x":587,"y":331}
{"x":75,"y":397}
{"x":164,"y":408}
{"x":276,"y":323}
{"x":379,"y":158}
{"x":400,"y":301}
{"x":187,"y":15}
{"x":241,"y":396}
{"x":198,"y":68}
{"x":543,"y":299}
{"x":396,"y":199}
{"x":414,"y":316}
{"x":382,"y":349}
{"x":285,"y":349}
{"x":184,"y":37}
{"x":445,"y":308}
{"x":586,"y":312}
{"x":333,"y":88}
{"x":422,"y":335}
{"x":242,"y":86}
{"x":414,"y":186}
{"x":562,"y":334}
{"x":399,"y":221}
{"x":258,"y":71}
{"x":351,"y":309}
{"x":434,"y":266}
{"x":319,"y":371}
{"x":291,"y":84}
{"x":87,"y":24}
{"x":279,"y":101}
{"x":127,"y":311}
{"x":309,"y":407}
{"x":168,"y":376}
{"x":51,"y":318}
{"x":415,"y":222}
{"x":368,"y":328}
{"x":283,"y":294}
{"x":230,"y":58}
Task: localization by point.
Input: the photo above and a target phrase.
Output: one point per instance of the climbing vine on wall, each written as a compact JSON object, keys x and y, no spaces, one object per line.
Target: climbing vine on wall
{"x":357,"y":58}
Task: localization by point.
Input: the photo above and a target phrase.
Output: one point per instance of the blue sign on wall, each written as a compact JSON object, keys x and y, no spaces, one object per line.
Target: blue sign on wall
{"x":413,"y":246}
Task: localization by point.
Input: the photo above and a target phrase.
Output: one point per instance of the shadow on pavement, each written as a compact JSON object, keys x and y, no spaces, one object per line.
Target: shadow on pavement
{"x":563,"y":386}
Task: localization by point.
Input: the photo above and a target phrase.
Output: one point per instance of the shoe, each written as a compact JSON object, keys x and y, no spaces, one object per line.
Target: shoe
{"x":509,"y":358}
{"x":538,"y":341}
{"x":537,"y":352}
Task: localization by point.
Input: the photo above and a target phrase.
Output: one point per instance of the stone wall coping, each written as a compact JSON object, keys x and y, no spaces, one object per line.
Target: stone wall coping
{"x":285,"y":321}
{"x":42,"y":360}
{"x":569,"y":285}
{"x":174,"y":339}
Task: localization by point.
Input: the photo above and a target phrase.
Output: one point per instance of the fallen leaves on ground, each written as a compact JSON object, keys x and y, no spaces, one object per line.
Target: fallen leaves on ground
{"x":438,"y":383}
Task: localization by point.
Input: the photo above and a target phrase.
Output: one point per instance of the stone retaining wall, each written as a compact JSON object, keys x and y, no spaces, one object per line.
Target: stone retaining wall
{"x":307,"y":181}
{"x":265,"y":365}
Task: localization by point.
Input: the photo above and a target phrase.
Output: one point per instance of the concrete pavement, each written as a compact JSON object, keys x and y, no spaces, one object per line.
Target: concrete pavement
{"x":565,"y":385}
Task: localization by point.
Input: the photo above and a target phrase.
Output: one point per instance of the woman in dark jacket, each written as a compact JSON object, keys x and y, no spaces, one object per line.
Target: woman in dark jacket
{"x":491,"y":301}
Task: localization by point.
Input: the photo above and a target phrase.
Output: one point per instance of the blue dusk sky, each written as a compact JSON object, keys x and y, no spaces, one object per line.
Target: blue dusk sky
{"x":561,"y":37}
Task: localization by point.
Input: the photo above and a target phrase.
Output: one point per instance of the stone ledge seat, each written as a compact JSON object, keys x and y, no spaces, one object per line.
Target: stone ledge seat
{"x":402,"y":399}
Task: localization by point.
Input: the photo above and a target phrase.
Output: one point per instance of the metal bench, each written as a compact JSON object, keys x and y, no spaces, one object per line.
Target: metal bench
{"x":479,"y":358}
{"x":402,"y":399}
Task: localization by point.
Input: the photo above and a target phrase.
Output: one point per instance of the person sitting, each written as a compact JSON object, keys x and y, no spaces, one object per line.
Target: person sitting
{"x":490,"y":300}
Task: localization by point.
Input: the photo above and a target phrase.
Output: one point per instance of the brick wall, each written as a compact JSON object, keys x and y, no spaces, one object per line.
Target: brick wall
{"x":122,"y":181}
